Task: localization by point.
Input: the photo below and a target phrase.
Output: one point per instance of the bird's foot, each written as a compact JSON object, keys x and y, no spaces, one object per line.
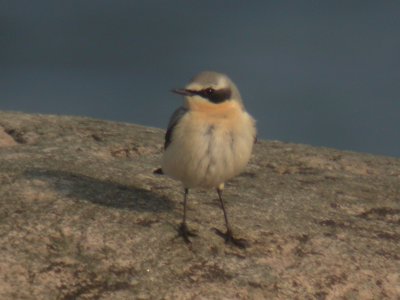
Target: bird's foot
{"x":184,"y":232}
{"x":158,"y":171}
{"x":229,"y":239}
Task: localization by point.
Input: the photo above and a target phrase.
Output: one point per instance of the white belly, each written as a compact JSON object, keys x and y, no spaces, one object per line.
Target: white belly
{"x":207,"y":154}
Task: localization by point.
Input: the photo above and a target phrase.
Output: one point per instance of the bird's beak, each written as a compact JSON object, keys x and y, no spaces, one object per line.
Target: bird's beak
{"x":184,"y":92}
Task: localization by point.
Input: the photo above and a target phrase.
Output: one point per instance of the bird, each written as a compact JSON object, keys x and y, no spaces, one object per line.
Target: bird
{"x":209,"y":140}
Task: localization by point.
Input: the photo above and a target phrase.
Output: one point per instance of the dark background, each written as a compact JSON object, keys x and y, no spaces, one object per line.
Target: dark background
{"x":325,"y":73}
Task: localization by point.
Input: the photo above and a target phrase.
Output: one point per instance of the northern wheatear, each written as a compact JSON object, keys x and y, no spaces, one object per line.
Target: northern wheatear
{"x":209,"y":140}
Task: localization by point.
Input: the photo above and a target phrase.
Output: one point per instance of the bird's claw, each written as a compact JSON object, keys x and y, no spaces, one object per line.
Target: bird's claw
{"x":229,"y":239}
{"x":184,"y":232}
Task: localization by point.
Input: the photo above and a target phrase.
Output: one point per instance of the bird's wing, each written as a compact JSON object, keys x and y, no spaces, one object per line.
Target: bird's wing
{"x":176,"y":116}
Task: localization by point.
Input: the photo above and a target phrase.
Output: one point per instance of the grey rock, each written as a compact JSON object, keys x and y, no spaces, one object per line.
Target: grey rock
{"x":82,"y":216}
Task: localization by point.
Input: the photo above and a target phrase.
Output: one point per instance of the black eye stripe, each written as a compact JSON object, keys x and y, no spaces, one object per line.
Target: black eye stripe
{"x":215,"y":96}
{"x":207,"y":93}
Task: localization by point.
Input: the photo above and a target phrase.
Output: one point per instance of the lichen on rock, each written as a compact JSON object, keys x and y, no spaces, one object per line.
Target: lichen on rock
{"x":82,"y":216}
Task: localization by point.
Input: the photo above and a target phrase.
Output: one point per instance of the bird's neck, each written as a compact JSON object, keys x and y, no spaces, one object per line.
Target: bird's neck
{"x":227,"y":107}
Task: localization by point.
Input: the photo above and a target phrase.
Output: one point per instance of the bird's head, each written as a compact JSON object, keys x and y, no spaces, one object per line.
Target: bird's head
{"x":211,"y":87}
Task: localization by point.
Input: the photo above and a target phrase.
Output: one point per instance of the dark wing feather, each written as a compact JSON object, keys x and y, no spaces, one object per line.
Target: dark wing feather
{"x":176,"y":116}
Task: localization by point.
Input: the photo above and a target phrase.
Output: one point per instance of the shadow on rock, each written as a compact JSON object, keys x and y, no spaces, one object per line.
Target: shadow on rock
{"x":104,"y":192}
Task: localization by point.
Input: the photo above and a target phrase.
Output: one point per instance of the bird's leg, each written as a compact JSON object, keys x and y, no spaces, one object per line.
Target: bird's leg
{"x":228,"y":227}
{"x":183,"y":229}
{"x":241,"y":243}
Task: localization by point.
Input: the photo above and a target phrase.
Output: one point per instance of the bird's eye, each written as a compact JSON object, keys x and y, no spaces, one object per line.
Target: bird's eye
{"x":210,"y":91}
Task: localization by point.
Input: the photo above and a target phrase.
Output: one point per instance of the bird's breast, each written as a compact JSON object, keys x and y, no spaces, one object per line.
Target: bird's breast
{"x":210,"y":146}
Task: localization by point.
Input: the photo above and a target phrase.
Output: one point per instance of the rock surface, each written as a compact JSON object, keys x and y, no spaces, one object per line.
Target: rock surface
{"x":82,"y":216}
